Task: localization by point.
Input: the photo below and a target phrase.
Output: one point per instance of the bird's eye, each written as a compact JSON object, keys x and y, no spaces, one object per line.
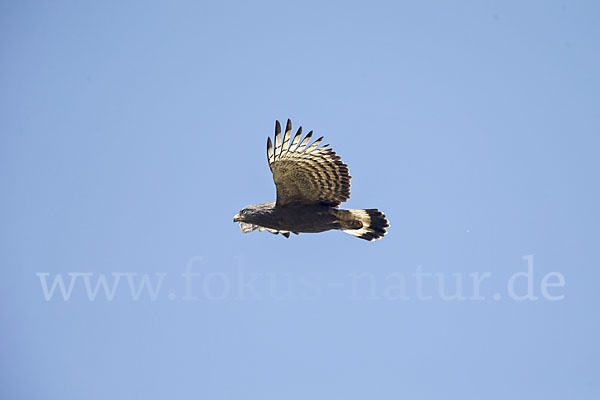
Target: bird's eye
{"x":243,"y":212}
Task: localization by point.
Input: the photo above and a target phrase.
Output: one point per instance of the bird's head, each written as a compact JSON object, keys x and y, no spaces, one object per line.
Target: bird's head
{"x":241,"y":216}
{"x":254,"y":214}
{"x":247,"y":214}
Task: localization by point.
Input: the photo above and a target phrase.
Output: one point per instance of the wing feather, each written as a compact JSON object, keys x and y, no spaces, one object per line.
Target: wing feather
{"x":296,"y":139}
{"x":314,"y":145}
{"x":247,"y":228}
{"x":277,"y":139}
{"x":270,"y":155}
{"x":306,"y":174}
{"x":288,"y":134}
{"x":304,"y":141}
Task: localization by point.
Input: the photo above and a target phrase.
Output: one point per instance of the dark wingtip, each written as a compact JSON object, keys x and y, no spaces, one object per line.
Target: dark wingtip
{"x":288,"y":126}
{"x":277,"y":127}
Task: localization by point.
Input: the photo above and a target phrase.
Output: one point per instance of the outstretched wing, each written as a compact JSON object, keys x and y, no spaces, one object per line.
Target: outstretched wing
{"x":306,"y":174}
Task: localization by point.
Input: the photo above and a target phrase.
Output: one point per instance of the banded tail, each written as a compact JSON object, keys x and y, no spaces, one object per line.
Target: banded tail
{"x":365,"y":224}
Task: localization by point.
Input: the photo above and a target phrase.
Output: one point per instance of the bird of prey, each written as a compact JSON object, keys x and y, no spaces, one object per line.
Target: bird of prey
{"x":311,"y":182}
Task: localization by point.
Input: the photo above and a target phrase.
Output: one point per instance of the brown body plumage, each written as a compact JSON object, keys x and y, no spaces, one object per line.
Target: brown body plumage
{"x":311,"y":182}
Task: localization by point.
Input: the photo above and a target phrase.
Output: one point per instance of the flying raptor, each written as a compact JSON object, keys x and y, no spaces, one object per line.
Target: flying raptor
{"x":311,"y":182}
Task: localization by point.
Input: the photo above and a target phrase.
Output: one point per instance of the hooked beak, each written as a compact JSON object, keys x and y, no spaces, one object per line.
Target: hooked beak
{"x":237,"y":218}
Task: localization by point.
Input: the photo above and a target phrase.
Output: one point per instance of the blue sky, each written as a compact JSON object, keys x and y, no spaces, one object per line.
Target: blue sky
{"x":131,"y":133}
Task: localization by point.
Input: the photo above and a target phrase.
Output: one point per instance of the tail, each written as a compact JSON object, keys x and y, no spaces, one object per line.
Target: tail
{"x":365,"y":224}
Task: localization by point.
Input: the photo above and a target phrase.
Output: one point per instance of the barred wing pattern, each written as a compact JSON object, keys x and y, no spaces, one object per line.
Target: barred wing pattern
{"x":306,"y":174}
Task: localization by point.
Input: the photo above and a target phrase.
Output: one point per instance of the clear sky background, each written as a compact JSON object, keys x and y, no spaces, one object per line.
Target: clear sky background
{"x":132,"y":132}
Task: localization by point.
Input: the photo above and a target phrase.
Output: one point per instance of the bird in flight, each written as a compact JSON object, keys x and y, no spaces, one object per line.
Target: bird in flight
{"x":311,"y":182}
